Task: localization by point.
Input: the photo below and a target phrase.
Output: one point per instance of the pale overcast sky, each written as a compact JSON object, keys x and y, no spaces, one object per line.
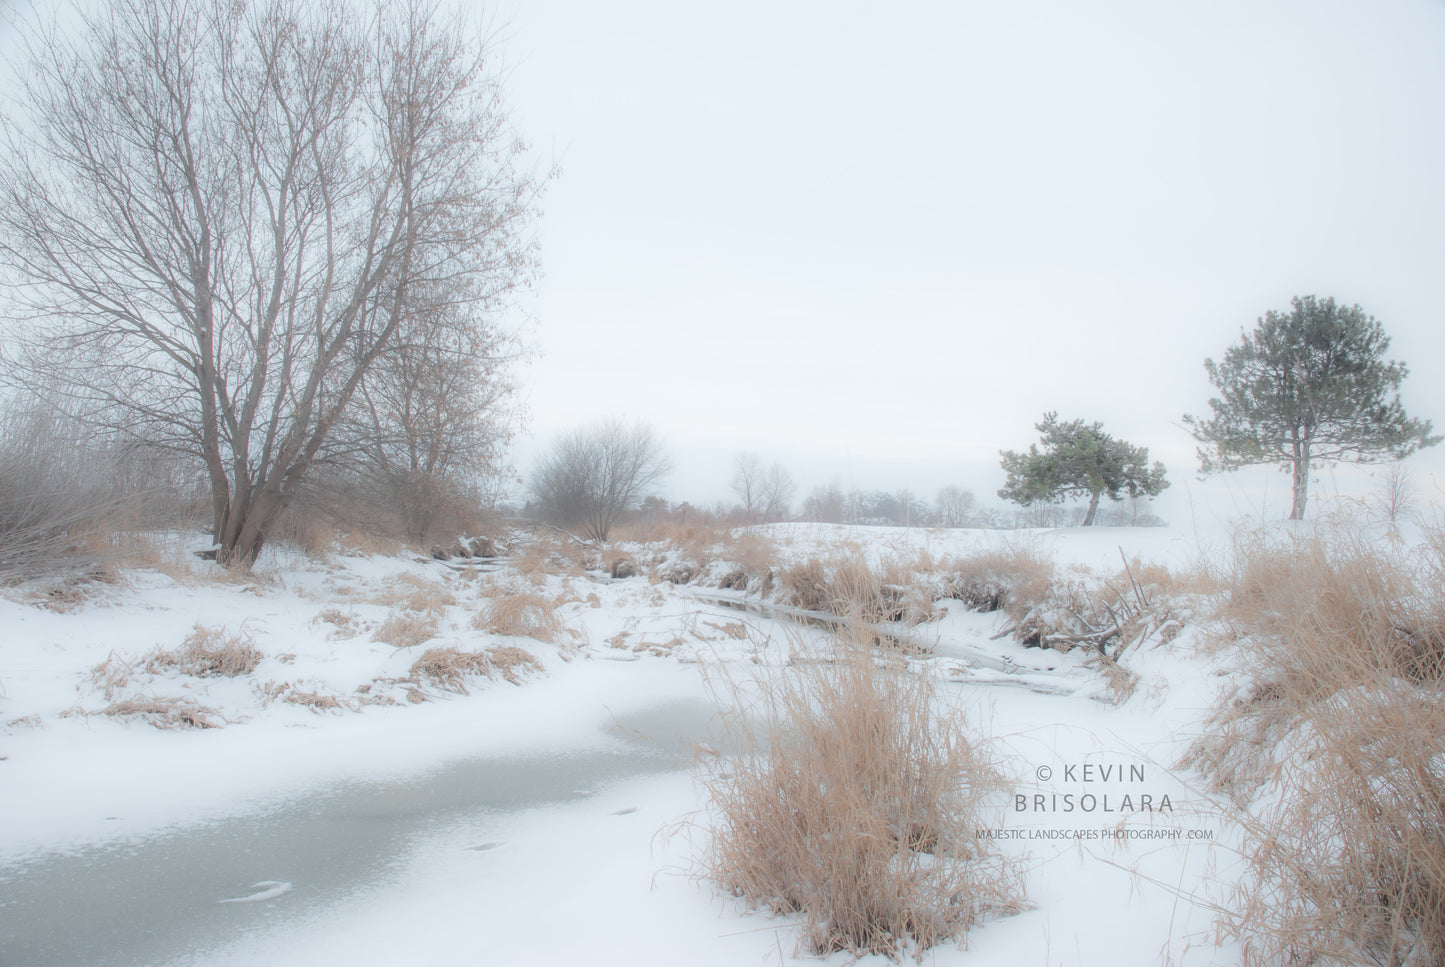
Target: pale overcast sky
{"x":878,"y":241}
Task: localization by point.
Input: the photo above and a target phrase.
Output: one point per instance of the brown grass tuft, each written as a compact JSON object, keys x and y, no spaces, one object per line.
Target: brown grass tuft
{"x":164,"y":713}
{"x":1350,"y":865}
{"x":291,"y":694}
{"x":550,"y":554}
{"x":855,"y":801}
{"x":415,"y":593}
{"x":524,"y":614}
{"x":841,"y":584}
{"x":404,"y":629}
{"x":508,"y":659}
{"x":346,"y":623}
{"x":1343,"y":727}
{"x":1014,"y":580}
{"x":448,"y":668}
{"x":208,"y":652}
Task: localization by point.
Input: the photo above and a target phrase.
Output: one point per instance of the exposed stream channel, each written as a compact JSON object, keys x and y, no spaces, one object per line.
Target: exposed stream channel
{"x":161,"y":898}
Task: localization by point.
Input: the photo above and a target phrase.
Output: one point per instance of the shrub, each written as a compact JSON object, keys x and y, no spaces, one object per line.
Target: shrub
{"x":854,"y":801}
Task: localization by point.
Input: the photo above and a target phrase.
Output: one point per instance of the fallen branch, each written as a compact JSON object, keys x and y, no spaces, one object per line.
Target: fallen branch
{"x":1097,"y":637}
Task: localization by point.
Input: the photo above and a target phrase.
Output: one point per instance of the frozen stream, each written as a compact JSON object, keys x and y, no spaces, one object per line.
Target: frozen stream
{"x":163,"y":897}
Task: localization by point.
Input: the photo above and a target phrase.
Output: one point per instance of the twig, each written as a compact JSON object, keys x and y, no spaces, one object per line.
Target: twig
{"x":1143,"y":600}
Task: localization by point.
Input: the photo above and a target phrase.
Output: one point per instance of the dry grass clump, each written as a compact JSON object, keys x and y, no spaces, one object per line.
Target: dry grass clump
{"x":618,"y":562}
{"x":693,"y":533}
{"x":1349,"y":866}
{"x":899,"y":589}
{"x":509,"y":659}
{"x":292,"y":694}
{"x":164,"y":713}
{"x":314,"y":700}
{"x":208,"y":652}
{"x":1344,"y":728}
{"x":111,"y":675}
{"x":403,"y":629}
{"x":361,"y":542}
{"x":416,"y":593}
{"x":1014,"y":580}
{"x":448,"y":668}
{"x":855,"y":801}
{"x":738,"y":558}
{"x":550,"y":554}
{"x":842,"y":584}
{"x":746,"y":562}
{"x":524,"y":614}
{"x":1313,"y":617}
{"x":346,"y":623}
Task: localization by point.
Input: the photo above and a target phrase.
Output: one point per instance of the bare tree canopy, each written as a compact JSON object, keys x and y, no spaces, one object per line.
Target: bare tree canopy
{"x":217,"y":217}
{"x":595,"y":473}
{"x":955,"y":506}
{"x":766,"y":494}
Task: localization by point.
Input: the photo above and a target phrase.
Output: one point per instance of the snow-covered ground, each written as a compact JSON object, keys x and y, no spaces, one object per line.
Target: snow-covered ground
{"x":349,"y":810}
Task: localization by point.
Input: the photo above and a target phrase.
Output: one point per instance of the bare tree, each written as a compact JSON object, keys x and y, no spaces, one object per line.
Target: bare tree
{"x":777,"y":494}
{"x":1397,"y":493}
{"x":955,"y":506}
{"x":431,"y":420}
{"x":747,"y":483}
{"x":766,"y":494}
{"x":827,"y":505}
{"x":218,"y":216}
{"x":595,"y":473}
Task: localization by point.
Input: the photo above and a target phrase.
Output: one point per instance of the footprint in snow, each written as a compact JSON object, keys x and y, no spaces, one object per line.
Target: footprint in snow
{"x":267,"y":890}
{"x":624,"y":812}
{"x":483,"y":847}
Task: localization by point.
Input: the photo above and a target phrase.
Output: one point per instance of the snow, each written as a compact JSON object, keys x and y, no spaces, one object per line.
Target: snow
{"x":604,"y":873}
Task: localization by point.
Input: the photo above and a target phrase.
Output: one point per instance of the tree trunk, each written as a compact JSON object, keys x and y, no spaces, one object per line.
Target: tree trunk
{"x":1301,"y":464}
{"x":1301,"y":485}
{"x":1093,"y":506}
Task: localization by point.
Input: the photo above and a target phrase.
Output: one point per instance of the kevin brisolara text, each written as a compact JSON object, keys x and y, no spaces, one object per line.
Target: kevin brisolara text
{"x":1090,"y":803}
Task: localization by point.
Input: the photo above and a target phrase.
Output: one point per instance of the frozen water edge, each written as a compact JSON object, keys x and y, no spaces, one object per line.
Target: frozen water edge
{"x":165,"y":896}
{"x":586,"y":880}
